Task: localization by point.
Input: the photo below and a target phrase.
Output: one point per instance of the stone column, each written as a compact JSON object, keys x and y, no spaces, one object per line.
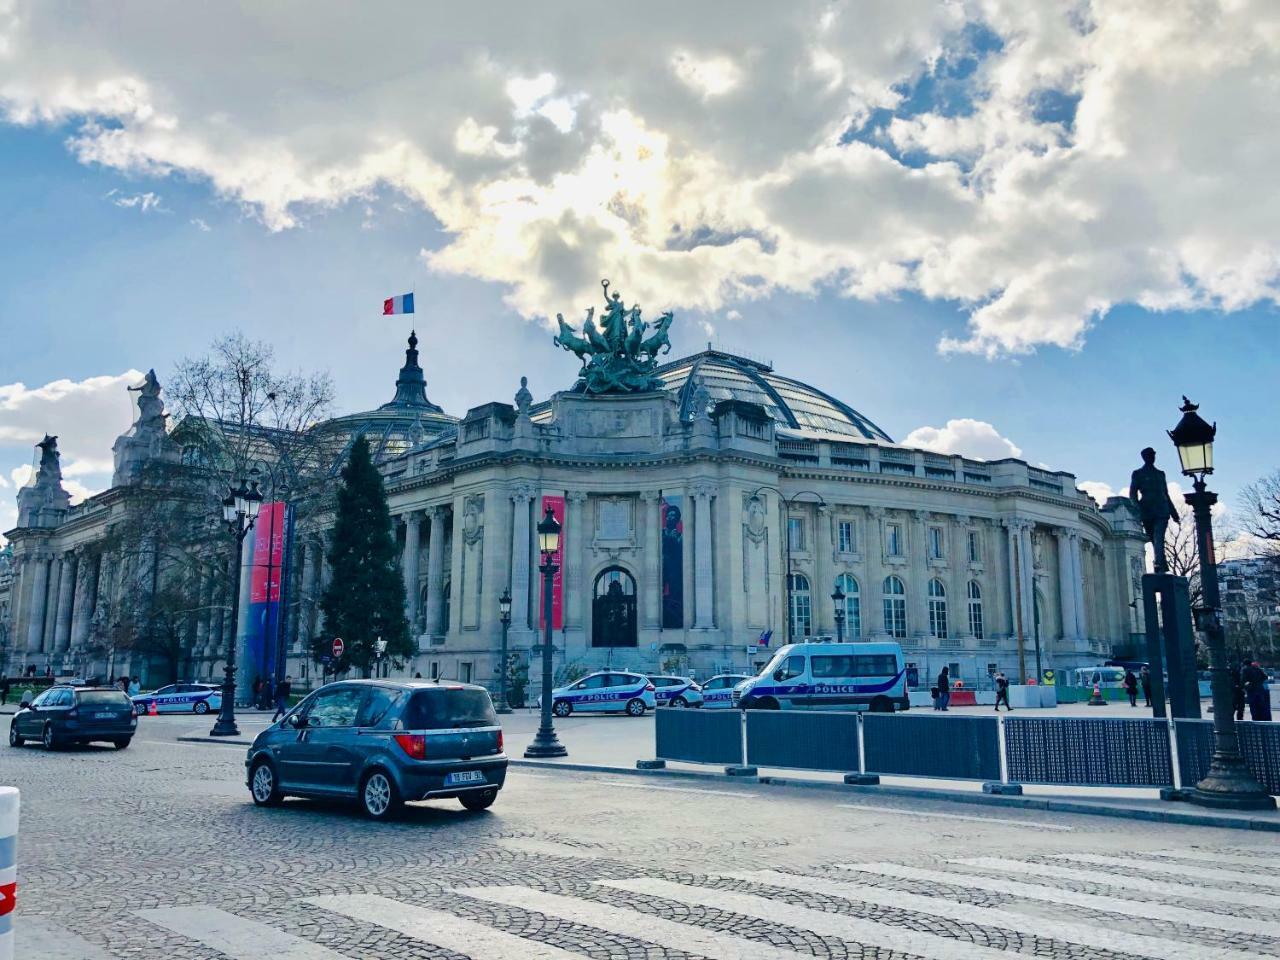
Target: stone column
{"x":204,"y":599}
{"x":66,"y":594}
{"x":83,"y":598}
{"x":651,"y":589}
{"x":1011,"y":538}
{"x":918,"y":585}
{"x":105,"y":592}
{"x":1027,"y":553}
{"x":409,"y":564}
{"x":575,"y":552}
{"x":521,"y":497}
{"x":52,"y":597}
{"x":39,"y":567}
{"x":824,"y":618}
{"x":704,"y":573}
{"x":435,"y":572}
{"x":1077,"y":584}
{"x":1066,"y":584}
{"x":873,"y":624}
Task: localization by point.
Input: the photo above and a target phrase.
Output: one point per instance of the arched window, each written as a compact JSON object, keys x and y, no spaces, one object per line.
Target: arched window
{"x":801,"y":606}
{"x":975,"y":609}
{"x":937,"y":609}
{"x":895,"y":608}
{"x":852,"y":605}
{"x":613,"y":609}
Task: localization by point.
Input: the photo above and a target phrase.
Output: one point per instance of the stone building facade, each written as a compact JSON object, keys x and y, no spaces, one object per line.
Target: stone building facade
{"x":697,"y":518}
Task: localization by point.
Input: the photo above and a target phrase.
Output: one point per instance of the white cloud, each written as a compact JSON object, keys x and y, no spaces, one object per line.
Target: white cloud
{"x":697,"y":157}
{"x":200,"y":224}
{"x":971,"y":438}
{"x":142,"y":202}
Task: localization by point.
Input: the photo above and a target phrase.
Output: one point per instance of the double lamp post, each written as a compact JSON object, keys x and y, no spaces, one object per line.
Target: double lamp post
{"x":545,"y":743}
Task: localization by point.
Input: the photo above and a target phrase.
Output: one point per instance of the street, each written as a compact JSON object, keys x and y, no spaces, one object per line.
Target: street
{"x":157,"y":852}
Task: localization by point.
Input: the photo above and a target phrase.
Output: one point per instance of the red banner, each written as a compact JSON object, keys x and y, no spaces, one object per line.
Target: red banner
{"x":268,"y":554}
{"x":557,"y":579}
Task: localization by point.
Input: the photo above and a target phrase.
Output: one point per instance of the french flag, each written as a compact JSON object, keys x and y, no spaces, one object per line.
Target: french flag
{"x":395,"y":305}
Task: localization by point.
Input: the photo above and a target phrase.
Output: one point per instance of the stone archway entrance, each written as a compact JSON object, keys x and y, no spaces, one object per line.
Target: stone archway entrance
{"x":613,"y":609}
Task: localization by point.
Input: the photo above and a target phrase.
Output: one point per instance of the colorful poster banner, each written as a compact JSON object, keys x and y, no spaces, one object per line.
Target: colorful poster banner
{"x":268,"y":563}
{"x":557,"y":579}
{"x":672,"y":562}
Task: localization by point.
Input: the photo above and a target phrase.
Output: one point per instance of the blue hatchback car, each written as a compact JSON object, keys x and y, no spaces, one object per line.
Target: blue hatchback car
{"x":381,"y":743}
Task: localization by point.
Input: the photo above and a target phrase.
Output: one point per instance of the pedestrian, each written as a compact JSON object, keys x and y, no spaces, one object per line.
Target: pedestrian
{"x":1255,"y":691}
{"x":1131,"y":686}
{"x":4,"y":690}
{"x":944,"y":688}
{"x":268,"y":694}
{"x":1002,"y":691}
{"x":1237,"y":689}
{"x":282,"y":697}
{"x":1145,"y":678}
{"x":418,"y":675}
{"x":135,"y":687}
{"x":257,"y":692}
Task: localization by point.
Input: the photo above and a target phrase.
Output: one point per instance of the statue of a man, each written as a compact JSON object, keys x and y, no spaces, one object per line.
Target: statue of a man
{"x":1148,"y":489}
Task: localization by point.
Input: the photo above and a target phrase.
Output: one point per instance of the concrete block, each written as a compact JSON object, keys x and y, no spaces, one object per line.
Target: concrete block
{"x":737,"y":771}
{"x":651,"y":764}
{"x":1002,"y":789}
{"x":862,"y":779}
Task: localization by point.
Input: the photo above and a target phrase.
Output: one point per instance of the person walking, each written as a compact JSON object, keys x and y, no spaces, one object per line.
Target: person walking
{"x":4,"y":690}
{"x":1255,"y":691}
{"x":1237,"y":689}
{"x":282,"y":697}
{"x":1144,"y":677}
{"x":135,"y":687}
{"x":1002,"y":691}
{"x":944,"y":688}
{"x":268,"y":693}
{"x":1131,"y":686}
{"x":257,"y":692}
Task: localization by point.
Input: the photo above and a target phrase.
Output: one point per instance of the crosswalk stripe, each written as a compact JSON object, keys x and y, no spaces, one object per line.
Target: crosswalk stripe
{"x":1257,"y":862}
{"x":1257,"y":879}
{"x":237,"y":937}
{"x":548,"y":848}
{"x":824,"y":924}
{"x":909,"y":812}
{"x":1092,"y":901}
{"x":1121,"y":881}
{"x":1136,"y":944}
{"x":639,"y":926}
{"x":468,"y":937}
{"x":649,"y":787}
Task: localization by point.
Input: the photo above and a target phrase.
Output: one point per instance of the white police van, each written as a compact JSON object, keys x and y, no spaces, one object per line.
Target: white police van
{"x":675,"y":691}
{"x":717,"y":693}
{"x":829,"y":676}
{"x":603,"y":691}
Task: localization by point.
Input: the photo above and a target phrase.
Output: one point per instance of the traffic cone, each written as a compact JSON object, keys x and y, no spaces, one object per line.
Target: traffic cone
{"x":151,"y":709}
{"x":1096,"y":700}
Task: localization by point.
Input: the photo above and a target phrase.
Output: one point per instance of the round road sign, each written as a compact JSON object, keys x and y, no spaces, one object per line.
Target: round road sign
{"x":338,"y":647}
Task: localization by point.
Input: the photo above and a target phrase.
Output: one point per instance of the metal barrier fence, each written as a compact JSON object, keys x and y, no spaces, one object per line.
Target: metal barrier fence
{"x":1081,"y":751}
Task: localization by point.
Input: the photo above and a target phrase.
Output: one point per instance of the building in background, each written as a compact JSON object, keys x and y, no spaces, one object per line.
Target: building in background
{"x":1251,"y":606}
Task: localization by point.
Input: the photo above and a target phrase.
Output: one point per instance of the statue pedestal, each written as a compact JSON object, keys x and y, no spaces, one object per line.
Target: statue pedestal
{"x":1166,"y":604}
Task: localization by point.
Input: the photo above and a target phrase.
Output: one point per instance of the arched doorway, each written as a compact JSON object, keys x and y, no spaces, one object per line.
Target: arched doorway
{"x":613,"y":609}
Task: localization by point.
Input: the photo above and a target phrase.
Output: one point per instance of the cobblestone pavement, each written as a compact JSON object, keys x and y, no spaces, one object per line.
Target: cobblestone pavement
{"x":157,"y":852}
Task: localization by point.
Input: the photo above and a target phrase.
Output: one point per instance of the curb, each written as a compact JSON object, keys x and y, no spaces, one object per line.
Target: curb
{"x":1087,"y":807}
{"x":216,"y":741}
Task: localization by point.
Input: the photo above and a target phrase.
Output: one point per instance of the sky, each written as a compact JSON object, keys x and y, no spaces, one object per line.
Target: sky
{"x":995,"y":228}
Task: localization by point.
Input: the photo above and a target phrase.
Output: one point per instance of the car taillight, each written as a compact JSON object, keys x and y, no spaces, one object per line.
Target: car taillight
{"x":413,"y":744}
{"x":499,"y":741}
{"x":133,"y":710}
{"x":649,"y":688}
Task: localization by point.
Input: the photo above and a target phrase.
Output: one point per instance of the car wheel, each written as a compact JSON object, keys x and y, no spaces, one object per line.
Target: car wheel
{"x":202,"y":707}
{"x":48,"y":739}
{"x":635,"y":708}
{"x":480,"y":800}
{"x":562,"y":708}
{"x":263,"y":786}
{"x":679,"y":702}
{"x":14,"y":739}
{"x":379,"y":798}
{"x":123,"y":744}
{"x":882,"y":705}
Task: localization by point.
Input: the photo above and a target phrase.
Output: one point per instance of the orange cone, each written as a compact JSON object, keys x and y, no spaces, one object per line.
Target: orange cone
{"x":1096,"y":700}
{"x":151,"y":709}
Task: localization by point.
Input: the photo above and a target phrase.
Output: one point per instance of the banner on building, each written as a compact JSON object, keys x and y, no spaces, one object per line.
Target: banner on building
{"x":672,"y":522}
{"x":268,"y":568}
{"x":557,"y":579}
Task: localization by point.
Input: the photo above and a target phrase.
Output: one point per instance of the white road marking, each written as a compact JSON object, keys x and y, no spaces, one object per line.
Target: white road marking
{"x":639,"y":926}
{"x":34,"y":938}
{"x":468,"y":937}
{"x":1260,"y":861}
{"x":1121,"y":940}
{"x":237,"y":937}
{"x":1093,"y":901}
{"x":816,"y":921}
{"x":1038,"y":824}
{"x":649,"y":787}
{"x":549,"y":848}
{"x":1139,"y":862}
{"x":1120,"y":881}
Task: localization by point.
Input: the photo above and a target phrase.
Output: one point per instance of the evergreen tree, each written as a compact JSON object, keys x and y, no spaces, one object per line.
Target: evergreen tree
{"x":365,"y":597}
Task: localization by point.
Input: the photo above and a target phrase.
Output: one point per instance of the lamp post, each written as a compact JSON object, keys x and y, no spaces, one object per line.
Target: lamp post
{"x":239,"y":511}
{"x":545,"y":743}
{"x":504,"y":608}
{"x":1228,"y":784}
{"x":838,"y":599}
{"x":379,"y":648}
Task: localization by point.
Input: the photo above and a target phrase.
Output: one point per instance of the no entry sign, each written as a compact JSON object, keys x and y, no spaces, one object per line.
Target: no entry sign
{"x":338,"y":647}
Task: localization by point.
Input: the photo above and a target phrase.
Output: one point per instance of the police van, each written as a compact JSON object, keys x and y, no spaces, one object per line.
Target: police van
{"x":829,"y":676}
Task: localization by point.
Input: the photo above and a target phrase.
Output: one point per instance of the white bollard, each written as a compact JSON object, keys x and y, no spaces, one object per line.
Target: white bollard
{"x":8,"y":867}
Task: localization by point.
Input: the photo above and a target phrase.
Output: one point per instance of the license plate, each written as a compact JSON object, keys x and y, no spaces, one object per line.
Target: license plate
{"x":104,"y":716}
{"x":466,"y":776}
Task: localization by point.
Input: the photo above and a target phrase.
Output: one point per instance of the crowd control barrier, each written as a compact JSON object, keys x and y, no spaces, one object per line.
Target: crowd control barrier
{"x":1068,"y":751}
{"x":8,"y":868}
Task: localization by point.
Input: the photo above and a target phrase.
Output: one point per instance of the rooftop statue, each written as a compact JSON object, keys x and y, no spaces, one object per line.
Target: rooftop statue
{"x":619,"y":352}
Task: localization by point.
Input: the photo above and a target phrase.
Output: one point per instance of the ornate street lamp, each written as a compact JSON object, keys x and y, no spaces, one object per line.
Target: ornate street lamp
{"x":1228,"y":782}
{"x":379,"y":648}
{"x":504,"y":609}
{"x":837,"y":598}
{"x":239,"y":511}
{"x":545,"y":743}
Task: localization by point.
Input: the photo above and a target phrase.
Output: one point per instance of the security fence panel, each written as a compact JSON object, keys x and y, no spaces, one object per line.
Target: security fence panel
{"x":698,"y":736}
{"x":1093,"y":752}
{"x":804,"y":741}
{"x":962,"y":748}
{"x":1259,"y":745}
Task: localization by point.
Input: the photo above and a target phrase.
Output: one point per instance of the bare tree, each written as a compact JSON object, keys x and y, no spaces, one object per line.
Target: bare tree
{"x":1183,"y":556}
{"x":1261,"y":514}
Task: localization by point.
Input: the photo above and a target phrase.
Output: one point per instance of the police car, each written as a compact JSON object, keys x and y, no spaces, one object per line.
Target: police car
{"x":829,"y":676}
{"x":180,"y":698}
{"x":717,"y":693}
{"x":604,"y":691}
{"x":676,"y":691}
